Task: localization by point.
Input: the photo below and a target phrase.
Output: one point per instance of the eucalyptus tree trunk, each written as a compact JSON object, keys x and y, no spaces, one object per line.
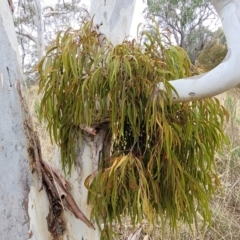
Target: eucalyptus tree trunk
{"x":16,"y":179}
{"x":39,"y":39}
{"x":114,"y":18}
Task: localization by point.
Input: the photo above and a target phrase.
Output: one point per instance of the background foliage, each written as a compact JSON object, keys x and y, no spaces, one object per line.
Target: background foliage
{"x":189,"y":23}
{"x":35,"y":27}
{"x":214,"y":52}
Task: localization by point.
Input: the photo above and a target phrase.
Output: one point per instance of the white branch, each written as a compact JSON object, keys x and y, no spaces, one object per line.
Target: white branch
{"x":227,"y":74}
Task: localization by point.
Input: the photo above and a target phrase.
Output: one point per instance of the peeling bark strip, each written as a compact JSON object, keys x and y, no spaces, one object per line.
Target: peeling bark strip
{"x":60,"y":187}
{"x":55,"y":222}
{"x":49,"y":177}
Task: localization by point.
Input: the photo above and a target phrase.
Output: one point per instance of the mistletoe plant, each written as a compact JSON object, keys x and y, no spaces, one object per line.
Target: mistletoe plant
{"x":161,"y":161}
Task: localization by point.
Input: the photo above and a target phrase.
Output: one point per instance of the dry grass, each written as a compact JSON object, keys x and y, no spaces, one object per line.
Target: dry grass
{"x":225,"y":205}
{"x":33,"y":100}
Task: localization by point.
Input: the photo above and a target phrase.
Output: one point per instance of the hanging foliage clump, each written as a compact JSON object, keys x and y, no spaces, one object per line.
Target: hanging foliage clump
{"x":162,"y":154}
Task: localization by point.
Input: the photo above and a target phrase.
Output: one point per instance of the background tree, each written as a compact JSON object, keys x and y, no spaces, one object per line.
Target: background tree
{"x":36,"y":25}
{"x":214,"y":51}
{"x":185,"y":21}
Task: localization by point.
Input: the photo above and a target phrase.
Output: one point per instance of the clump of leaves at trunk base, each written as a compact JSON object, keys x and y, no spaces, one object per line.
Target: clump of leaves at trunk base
{"x":162,"y":157}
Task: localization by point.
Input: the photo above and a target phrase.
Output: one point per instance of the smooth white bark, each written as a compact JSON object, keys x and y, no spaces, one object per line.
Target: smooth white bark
{"x":7,"y":23}
{"x":16,"y":179}
{"x":114,"y":18}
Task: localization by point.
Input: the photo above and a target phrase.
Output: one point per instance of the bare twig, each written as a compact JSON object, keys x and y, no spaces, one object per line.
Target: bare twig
{"x":27,"y":36}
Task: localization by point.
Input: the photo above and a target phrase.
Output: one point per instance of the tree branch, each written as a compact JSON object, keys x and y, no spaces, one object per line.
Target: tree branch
{"x":224,"y":76}
{"x":51,"y":13}
{"x":27,"y":36}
